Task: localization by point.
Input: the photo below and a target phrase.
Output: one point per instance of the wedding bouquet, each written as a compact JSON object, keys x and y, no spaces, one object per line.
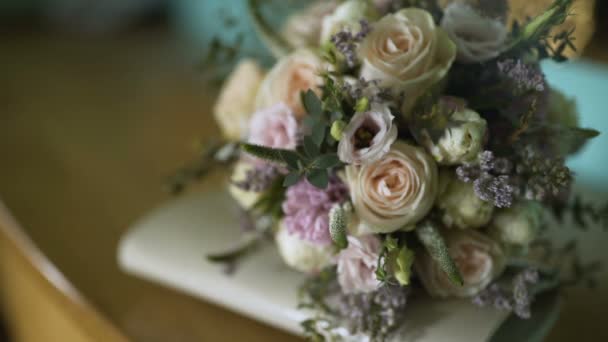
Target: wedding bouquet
{"x":406,"y":148}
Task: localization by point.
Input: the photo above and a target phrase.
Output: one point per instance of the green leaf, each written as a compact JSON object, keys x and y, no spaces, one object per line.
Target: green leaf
{"x":429,"y":235}
{"x":311,"y":149}
{"x":338,"y":222}
{"x":572,"y":139}
{"x":312,"y":103}
{"x":270,"y":154}
{"x":540,"y":27}
{"x":327,"y":161}
{"x":310,"y":122}
{"x":291,"y":179}
{"x":290,"y":158}
{"x":318,"y":178}
{"x":567,"y":140}
{"x":318,"y":133}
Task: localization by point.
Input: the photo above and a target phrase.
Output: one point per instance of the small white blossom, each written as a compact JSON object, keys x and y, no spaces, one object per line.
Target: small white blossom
{"x":460,"y":143}
{"x":302,"y":255}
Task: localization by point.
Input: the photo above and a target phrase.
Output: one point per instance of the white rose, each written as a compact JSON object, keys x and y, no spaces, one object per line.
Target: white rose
{"x":357,"y":264}
{"x":302,"y":255}
{"x":293,"y":74}
{"x":461,"y":207}
{"x":303,"y":29}
{"x":346,"y":16}
{"x":479,"y":259}
{"x":462,"y":142}
{"x":246,"y":199}
{"x":236,"y":101}
{"x":517,"y":225}
{"x":395,"y":192}
{"x":407,"y":52}
{"x":368,"y":136}
{"x":477,"y":37}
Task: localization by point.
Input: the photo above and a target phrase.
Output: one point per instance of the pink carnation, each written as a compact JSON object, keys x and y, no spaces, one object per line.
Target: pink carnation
{"x":274,"y":126}
{"x":307,"y":209}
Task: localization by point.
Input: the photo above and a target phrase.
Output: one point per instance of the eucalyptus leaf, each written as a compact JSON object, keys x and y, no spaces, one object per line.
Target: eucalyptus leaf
{"x":291,"y":159}
{"x":291,"y":179}
{"x":270,"y":154}
{"x":311,"y":149}
{"x":327,"y":161}
{"x":312,"y":103}
{"x":318,"y":178}
{"x":309,"y":122}
{"x":428,"y":233}
{"x":318,"y":133}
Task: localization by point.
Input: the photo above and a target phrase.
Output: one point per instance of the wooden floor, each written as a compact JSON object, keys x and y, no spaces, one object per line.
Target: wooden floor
{"x":88,"y":131}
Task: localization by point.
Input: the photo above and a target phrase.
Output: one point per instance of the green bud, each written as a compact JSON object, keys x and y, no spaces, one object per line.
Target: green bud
{"x":338,"y":222}
{"x":337,"y":128}
{"x":362,"y":105}
{"x":402,"y":267}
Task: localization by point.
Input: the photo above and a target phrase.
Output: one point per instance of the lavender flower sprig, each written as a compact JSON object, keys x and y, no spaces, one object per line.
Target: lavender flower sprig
{"x":518,"y":297}
{"x":346,"y":42}
{"x":491,"y":179}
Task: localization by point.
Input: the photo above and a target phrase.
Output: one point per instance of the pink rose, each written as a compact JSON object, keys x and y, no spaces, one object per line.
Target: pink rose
{"x":275,"y":127}
{"x":357,"y":264}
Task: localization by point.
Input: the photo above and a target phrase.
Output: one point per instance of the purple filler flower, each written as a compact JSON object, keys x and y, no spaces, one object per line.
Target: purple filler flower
{"x":307,"y":207}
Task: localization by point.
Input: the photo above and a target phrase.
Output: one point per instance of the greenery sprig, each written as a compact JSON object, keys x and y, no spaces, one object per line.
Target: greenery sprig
{"x":536,"y":34}
{"x":395,"y":261}
{"x":314,"y":158}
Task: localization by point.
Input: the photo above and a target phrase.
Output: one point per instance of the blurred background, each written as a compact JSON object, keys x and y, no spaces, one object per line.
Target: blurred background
{"x":99,"y":102}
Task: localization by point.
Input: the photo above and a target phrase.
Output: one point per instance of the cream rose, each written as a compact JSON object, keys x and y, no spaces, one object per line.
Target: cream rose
{"x":460,"y":205}
{"x":462,"y":142}
{"x":236,"y":101}
{"x":479,"y":259}
{"x":517,"y":225}
{"x":304,"y":28}
{"x":295,"y":73}
{"x":407,"y":52}
{"x":357,"y":264}
{"x":302,"y":255}
{"x":395,"y":192}
{"x":477,"y":37}
{"x":368,"y":136}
